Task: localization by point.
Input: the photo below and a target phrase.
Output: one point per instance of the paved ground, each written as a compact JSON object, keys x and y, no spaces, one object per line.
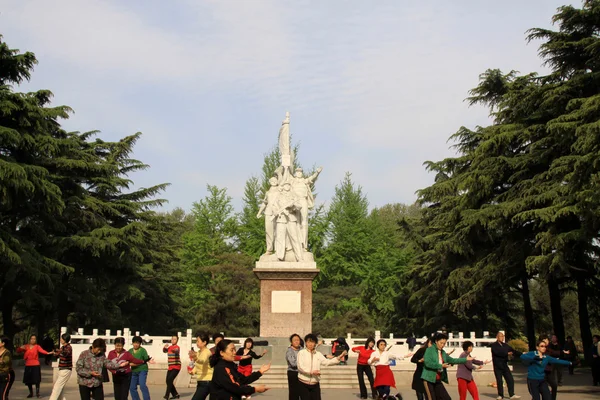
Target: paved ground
{"x":577,"y":387}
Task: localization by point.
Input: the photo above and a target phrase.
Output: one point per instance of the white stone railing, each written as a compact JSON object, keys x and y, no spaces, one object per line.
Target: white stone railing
{"x":154,"y":344}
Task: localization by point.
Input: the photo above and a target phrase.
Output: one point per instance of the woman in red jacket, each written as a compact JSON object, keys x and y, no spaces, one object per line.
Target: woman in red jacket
{"x":33,"y":373}
{"x":363,"y":367}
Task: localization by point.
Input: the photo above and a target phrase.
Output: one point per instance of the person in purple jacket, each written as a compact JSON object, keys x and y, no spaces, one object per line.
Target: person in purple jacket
{"x":464,"y":373}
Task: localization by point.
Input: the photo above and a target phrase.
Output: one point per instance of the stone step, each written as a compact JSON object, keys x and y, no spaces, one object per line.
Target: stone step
{"x":344,"y":377}
{"x":336,"y":377}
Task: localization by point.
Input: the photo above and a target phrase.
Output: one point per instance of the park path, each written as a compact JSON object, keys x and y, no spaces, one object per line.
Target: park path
{"x":577,"y":387}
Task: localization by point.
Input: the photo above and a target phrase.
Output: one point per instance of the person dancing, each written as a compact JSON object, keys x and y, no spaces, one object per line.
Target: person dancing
{"x":65,"y":367}
{"x":291,"y":357}
{"x":464,"y":373}
{"x":536,"y":362}
{"x":417,"y":358}
{"x":363,"y":368}
{"x":435,"y":362}
{"x":384,"y":377}
{"x":33,"y":372}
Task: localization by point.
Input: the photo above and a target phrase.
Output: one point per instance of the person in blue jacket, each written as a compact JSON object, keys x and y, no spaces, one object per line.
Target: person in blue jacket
{"x":536,"y":362}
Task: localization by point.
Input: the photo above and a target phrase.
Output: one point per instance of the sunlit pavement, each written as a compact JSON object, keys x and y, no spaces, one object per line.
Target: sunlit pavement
{"x":576,"y":387}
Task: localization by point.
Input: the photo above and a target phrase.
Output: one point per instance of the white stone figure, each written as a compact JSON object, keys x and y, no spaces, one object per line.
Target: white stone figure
{"x":302,"y":188}
{"x":266,"y":208}
{"x":285,"y":207}
{"x":288,"y":234}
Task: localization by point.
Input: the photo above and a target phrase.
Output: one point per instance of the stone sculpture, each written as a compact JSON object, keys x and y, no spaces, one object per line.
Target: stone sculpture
{"x":286,"y":205}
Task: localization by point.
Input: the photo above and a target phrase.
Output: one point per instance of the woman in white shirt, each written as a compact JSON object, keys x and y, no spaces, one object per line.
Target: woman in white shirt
{"x":309,"y":368}
{"x":384,"y":377}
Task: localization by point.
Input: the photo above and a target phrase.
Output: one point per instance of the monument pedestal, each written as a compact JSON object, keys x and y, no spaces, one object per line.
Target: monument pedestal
{"x":285,"y":297}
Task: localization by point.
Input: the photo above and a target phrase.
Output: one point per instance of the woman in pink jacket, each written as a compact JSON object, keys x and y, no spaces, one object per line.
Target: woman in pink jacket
{"x":122,"y":375}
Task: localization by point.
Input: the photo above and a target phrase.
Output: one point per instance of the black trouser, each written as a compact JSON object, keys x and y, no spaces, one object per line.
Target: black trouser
{"x":121,"y":385}
{"x":503,"y":372}
{"x":202,"y":390}
{"x":596,"y":370}
{"x":435,"y":391}
{"x":11,"y":380}
{"x":309,"y":392}
{"x":4,"y":380}
{"x":557,"y":370}
{"x":550,"y":378}
{"x":360,"y":370}
{"x":86,"y":393}
{"x":171,"y":375}
{"x":537,"y":389}
{"x":420,"y":396}
{"x":293,"y":385}
{"x":572,"y":368}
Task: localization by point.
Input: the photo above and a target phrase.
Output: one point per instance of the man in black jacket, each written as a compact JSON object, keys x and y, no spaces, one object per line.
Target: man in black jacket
{"x":571,"y":351}
{"x":555,"y":350}
{"x":500,"y":353}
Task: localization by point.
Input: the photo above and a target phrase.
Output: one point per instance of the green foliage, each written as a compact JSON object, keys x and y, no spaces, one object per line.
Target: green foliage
{"x":77,"y":245}
{"x":349,"y":243}
{"x":212,"y":236}
{"x":338,"y":310}
{"x":519,"y":345}
{"x":233,"y":298}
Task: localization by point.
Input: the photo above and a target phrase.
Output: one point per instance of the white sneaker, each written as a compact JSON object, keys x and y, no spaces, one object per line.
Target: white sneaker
{"x":499,"y":398}
{"x":514,"y":397}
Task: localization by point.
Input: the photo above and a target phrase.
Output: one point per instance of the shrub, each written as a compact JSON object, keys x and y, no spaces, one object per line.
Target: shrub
{"x":519,"y":345}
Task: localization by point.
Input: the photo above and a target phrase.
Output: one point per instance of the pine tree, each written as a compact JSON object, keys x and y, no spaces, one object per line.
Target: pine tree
{"x":75,"y":240}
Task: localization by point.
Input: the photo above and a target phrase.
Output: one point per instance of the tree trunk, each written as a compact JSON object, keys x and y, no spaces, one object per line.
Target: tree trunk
{"x":41,"y":326}
{"x":528,"y":309}
{"x":556,"y":309}
{"x":584,"y":317}
{"x":10,"y":329}
{"x":63,"y":304}
{"x":483,"y":316}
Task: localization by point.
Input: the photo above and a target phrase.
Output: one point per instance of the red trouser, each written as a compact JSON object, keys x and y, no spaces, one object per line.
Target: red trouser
{"x":464,"y":385}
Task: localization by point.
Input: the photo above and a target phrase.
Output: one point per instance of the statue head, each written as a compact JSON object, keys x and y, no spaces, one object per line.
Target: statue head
{"x":287,"y":187}
{"x":273,"y":181}
{"x":298,"y":173}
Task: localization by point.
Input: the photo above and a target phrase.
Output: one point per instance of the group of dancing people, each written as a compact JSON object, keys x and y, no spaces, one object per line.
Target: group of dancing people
{"x":432,"y":362}
{"x":224,"y":372}
{"x":128,"y":368}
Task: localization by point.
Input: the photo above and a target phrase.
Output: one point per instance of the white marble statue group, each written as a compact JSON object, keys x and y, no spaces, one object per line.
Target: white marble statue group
{"x":285,"y":207}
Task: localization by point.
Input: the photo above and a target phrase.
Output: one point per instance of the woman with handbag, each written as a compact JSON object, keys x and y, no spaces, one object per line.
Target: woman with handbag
{"x":122,"y":376}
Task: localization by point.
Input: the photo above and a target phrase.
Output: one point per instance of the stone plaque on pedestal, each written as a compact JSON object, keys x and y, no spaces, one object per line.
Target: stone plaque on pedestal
{"x":285,"y":297}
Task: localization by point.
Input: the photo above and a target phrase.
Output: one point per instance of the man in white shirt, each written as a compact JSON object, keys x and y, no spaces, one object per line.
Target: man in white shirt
{"x":309,"y":368}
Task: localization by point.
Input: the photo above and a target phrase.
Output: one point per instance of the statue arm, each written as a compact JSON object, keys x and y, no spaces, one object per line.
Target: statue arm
{"x":262,"y":208}
{"x":313,"y":177}
{"x":279,"y":172}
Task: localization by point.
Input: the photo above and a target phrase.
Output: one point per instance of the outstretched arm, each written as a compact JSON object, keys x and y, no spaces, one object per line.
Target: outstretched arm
{"x":313,"y":177}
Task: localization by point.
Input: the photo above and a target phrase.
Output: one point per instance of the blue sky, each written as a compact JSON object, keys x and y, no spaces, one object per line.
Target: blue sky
{"x":373,"y":87}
